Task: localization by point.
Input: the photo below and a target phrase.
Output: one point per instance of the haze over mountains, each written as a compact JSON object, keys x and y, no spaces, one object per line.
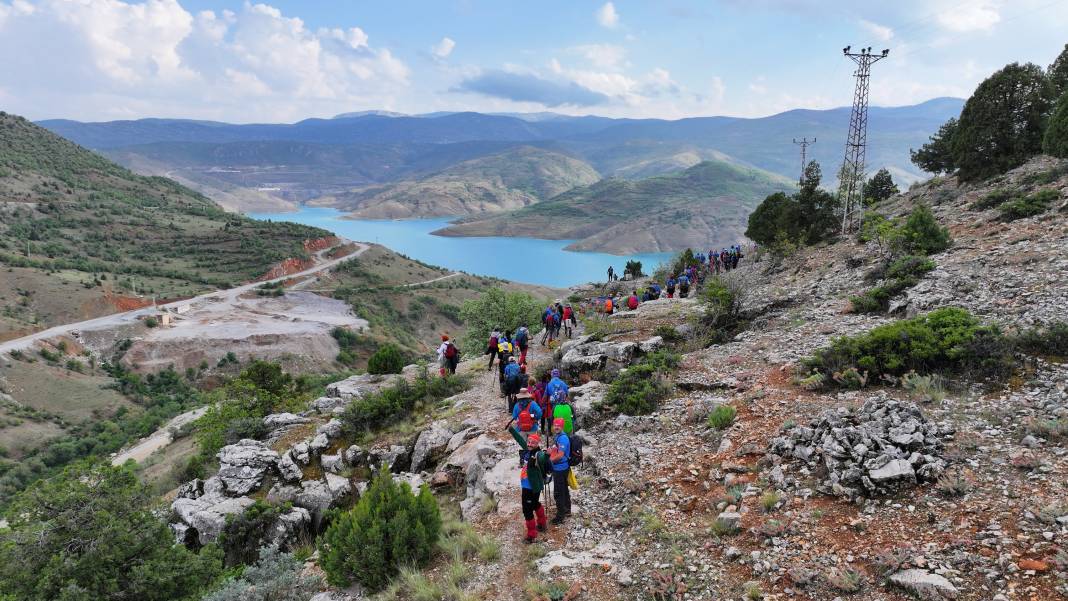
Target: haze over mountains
{"x":377,"y":164}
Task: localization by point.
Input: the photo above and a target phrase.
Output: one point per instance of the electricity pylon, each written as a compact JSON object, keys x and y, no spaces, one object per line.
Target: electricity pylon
{"x":852,"y":172}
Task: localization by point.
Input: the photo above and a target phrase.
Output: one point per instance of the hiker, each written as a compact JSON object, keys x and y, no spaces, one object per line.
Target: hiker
{"x":491,"y":347}
{"x":545,"y":315}
{"x":610,"y":273}
{"x":512,"y":381}
{"x":552,"y":324}
{"x":527,"y":414}
{"x":569,"y":320}
{"x":555,"y":384}
{"x":559,"y":454}
{"x":536,"y":468}
{"x":448,"y":356}
{"x":522,"y":340}
{"x":632,"y":302}
{"x":608,"y":306}
{"x":504,"y":352}
{"x":684,"y":285}
{"x":561,"y":409}
{"x":670,"y":285}
{"x":537,"y":390}
{"x":714,"y":261}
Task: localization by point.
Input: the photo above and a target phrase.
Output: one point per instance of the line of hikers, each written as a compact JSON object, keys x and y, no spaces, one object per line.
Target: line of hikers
{"x":544,"y":407}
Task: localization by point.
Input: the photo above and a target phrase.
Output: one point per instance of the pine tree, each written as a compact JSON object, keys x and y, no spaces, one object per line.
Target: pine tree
{"x":1058,"y":73}
{"x":1055,"y":141}
{"x":880,"y":187}
{"x":1002,"y":124}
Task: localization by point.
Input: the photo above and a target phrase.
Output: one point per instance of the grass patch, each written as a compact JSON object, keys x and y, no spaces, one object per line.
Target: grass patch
{"x":1028,"y":206}
{"x":722,"y":417}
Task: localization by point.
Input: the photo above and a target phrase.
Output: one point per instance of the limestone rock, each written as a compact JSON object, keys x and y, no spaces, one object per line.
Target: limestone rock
{"x":288,"y":468}
{"x":283,"y":420}
{"x":924,"y":584}
{"x":206,"y":516}
{"x":242,"y":466}
{"x":430,"y":446}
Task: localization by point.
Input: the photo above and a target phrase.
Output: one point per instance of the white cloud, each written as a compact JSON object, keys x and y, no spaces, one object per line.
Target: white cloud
{"x":759,"y":86}
{"x":607,"y":15}
{"x":443,"y":49}
{"x":970,"y":17}
{"x":881,"y":32}
{"x":603,"y":56}
{"x":98,"y":59}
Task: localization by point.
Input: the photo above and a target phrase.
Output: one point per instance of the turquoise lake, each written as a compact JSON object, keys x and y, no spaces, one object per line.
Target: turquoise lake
{"x":526,"y":260}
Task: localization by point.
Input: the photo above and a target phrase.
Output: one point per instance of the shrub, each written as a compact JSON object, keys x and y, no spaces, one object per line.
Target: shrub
{"x":722,"y":417}
{"x":638,"y":389}
{"x":949,"y":339}
{"x":151,"y":322}
{"x":1050,"y":341}
{"x":386,"y":360}
{"x":723,"y":297}
{"x":245,"y":427}
{"x":394,"y":403}
{"x":921,"y":233}
{"x":275,"y":576}
{"x":1055,"y":140}
{"x":668,"y":333}
{"x":909,"y":266}
{"x":498,"y":308}
{"x":1028,"y":206}
{"x":388,"y":528}
{"x":246,"y":532}
{"x":994,"y":199}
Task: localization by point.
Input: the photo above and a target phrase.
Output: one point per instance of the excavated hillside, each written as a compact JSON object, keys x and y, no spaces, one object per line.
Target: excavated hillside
{"x":955,"y":490}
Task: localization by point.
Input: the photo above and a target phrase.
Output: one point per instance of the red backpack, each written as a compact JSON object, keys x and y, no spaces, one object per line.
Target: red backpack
{"x":450,"y":350}
{"x":526,"y":418}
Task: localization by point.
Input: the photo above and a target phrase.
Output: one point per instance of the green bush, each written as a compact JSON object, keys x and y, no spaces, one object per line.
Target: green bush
{"x":638,"y":389}
{"x":498,"y":308}
{"x":91,"y":533}
{"x":921,"y":233}
{"x":245,"y":427}
{"x":395,"y":403}
{"x":275,"y":576}
{"x":1055,"y":140}
{"x":900,"y":275}
{"x":948,"y":339}
{"x":994,"y":199}
{"x":151,"y":322}
{"x":1049,"y":341}
{"x":1028,"y":206}
{"x":246,"y":532}
{"x":388,"y":528}
{"x":722,"y":417}
{"x":386,"y":360}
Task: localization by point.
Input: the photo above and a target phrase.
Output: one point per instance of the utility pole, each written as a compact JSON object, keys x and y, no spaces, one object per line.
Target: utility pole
{"x":849,"y":188}
{"x":804,"y":147}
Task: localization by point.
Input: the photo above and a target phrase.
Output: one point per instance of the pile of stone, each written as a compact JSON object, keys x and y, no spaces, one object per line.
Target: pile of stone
{"x":884,"y":446}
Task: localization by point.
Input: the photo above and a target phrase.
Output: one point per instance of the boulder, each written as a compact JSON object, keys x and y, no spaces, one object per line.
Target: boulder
{"x":396,"y":458}
{"x":316,"y":497}
{"x":461,"y":437}
{"x":651,"y":345}
{"x":301,"y":453}
{"x":289,"y":527}
{"x":354,"y":456}
{"x":283,"y":493}
{"x":332,"y":463}
{"x":414,"y":481}
{"x":288,"y":468}
{"x":584,"y":397}
{"x":327,"y":404}
{"x":924,"y":584}
{"x":206,"y":516}
{"x":358,"y":386}
{"x":430,"y":446}
{"x":193,"y":489}
{"x":283,"y":420}
{"x":332,"y":429}
{"x":574,"y":363}
{"x":339,"y":486}
{"x":320,"y":443}
{"x":242,"y":466}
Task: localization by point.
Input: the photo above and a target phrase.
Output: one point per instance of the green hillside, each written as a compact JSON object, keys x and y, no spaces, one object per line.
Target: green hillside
{"x":75,"y":227}
{"x":509,"y":180}
{"x":705,"y":204}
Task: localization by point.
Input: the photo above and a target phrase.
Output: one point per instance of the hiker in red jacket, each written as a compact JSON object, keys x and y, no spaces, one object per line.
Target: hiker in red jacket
{"x":632,"y":302}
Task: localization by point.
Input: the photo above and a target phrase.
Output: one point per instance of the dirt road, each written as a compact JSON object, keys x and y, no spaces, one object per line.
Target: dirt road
{"x":229,"y":297}
{"x":158,"y":439}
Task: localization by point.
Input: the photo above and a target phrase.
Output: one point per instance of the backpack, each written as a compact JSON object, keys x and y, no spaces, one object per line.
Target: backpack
{"x":526,"y":418}
{"x":567,"y":313}
{"x":451,"y":352}
{"x":521,"y":337}
{"x":563,"y":411}
{"x":576,"y":451}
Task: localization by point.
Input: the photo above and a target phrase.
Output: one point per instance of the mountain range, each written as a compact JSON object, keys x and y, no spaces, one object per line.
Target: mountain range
{"x":378,"y":164}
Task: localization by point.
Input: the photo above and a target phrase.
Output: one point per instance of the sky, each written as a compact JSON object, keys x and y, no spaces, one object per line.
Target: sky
{"x":286,"y":60}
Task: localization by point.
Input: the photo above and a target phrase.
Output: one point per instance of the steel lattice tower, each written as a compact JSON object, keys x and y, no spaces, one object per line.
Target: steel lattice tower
{"x":852,"y":173}
{"x":804,"y":147}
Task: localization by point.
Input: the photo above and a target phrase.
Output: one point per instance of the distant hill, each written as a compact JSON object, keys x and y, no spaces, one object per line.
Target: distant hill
{"x":705,"y":205}
{"x":510,"y":180}
{"x":71,"y":217}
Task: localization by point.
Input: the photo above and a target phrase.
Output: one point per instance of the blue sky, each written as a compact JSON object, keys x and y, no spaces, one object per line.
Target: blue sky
{"x":285,"y":60}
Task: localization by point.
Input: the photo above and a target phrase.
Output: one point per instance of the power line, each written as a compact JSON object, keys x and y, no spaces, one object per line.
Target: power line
{"x":852,"y":173}
{"x":804,"y":144}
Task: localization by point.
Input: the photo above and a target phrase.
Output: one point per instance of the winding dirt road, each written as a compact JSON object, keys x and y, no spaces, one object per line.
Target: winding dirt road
{"x":229,"y":296}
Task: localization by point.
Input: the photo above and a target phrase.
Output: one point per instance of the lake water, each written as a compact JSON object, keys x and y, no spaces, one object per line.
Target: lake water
{"x":526,"y":260}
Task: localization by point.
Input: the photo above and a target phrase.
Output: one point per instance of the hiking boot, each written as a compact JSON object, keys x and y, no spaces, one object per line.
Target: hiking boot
{"x":542,"y":527}
{"x":530,"y":540}
{"x":558,"y":519}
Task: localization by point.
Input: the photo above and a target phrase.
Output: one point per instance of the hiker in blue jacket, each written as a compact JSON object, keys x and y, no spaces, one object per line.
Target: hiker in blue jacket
{"x":513,"y":381}
{"x":555,"y":384}
{"x":559,"y":453}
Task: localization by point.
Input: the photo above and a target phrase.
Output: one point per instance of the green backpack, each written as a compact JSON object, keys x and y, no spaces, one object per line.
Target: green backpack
{"x":564,"y":412}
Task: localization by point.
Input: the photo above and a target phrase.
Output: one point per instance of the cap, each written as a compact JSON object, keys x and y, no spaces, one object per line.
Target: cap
{"x":558,"y":423}
{"x":533,"y":440}
{"x":444,"y":337}
{"x":556,"y":373}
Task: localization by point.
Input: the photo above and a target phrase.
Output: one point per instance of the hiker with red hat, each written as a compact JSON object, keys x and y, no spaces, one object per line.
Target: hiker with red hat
{"x":532,"y":477}
{"x":559,"y":454}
